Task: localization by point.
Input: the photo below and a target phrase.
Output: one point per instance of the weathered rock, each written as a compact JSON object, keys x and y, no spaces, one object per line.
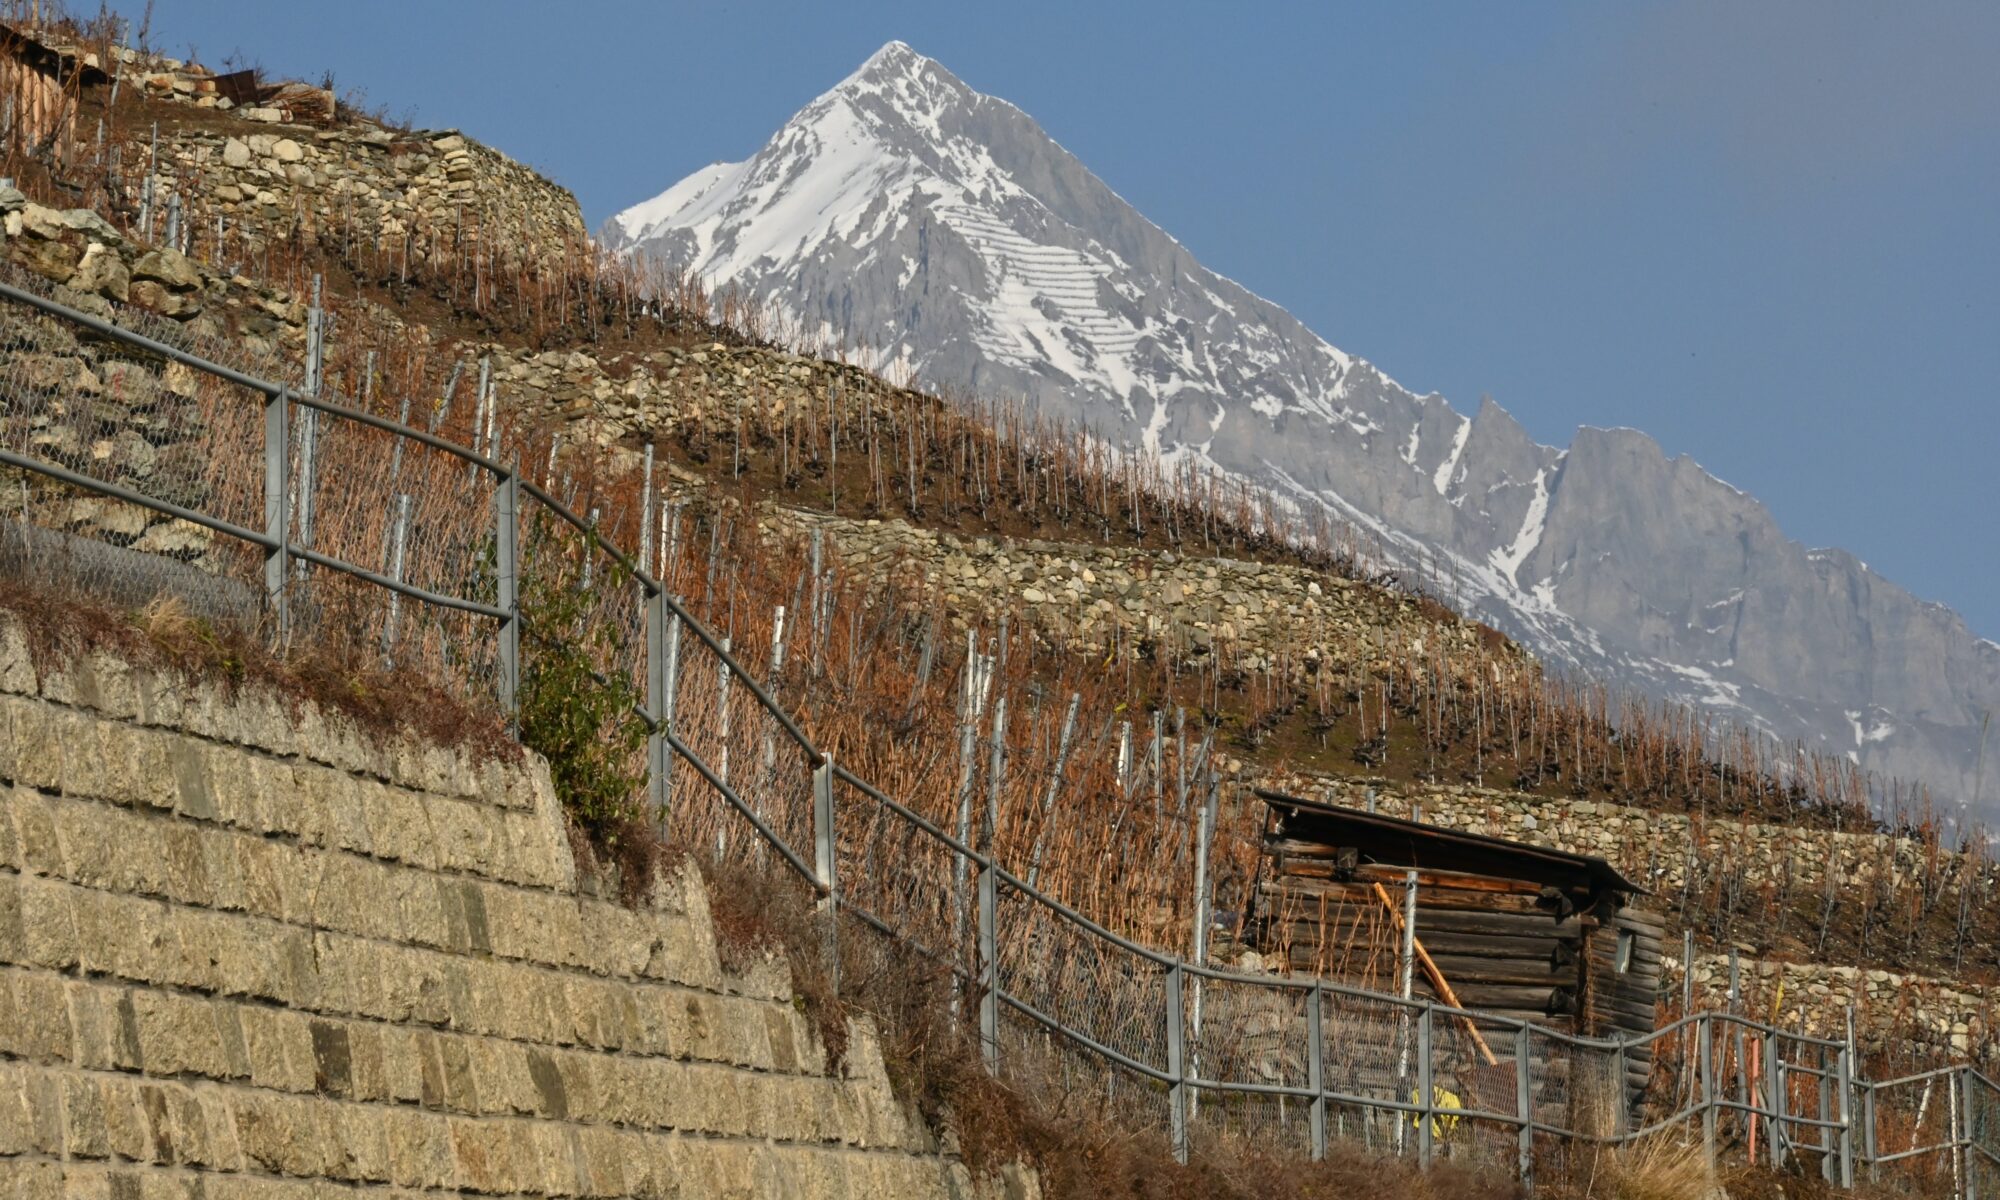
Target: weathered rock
{"x":168,"y":267}
{"x":102,"y":271}
{"x":91,"y":225}
{"x":150,"y":294}
{"x":51,"y":259}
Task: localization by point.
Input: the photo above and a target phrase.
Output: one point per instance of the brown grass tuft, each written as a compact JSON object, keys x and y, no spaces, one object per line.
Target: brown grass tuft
{"x":64,"y":626}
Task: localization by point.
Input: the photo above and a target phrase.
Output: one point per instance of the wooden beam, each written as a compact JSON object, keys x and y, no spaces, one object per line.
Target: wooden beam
{"x":1440,"y":941}
{"x":1437,"y":976}
{"x":1321,"y":879}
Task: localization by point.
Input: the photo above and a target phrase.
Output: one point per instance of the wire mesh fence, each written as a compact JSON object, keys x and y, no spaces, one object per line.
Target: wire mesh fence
{"x":122,"y":446}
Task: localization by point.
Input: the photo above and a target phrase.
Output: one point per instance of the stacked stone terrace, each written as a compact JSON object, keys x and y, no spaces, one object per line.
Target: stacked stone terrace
{"x":379,"y":183}
{"x":1260,"y":612}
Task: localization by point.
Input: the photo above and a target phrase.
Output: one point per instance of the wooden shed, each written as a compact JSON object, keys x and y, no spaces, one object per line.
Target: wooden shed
{"x":38,"y":88}
{"x":1507,"y":928}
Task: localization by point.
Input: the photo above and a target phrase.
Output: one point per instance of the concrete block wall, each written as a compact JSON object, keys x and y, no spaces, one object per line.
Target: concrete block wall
{"x":247,"y":951}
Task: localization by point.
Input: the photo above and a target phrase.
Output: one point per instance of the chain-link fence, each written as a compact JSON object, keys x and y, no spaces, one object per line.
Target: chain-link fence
{"x":143,"y":467}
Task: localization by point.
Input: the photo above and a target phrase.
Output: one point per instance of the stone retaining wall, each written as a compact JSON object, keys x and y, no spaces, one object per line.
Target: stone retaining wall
{"x":1650,"y":846}
{"x":1082,"y":592}
{"x":1912,"y":1017}
{"x":246,"y":951}
{"x":439,"y":186}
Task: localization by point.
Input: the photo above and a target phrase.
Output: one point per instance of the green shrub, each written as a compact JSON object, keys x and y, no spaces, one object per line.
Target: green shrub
{"x":573,"y":713}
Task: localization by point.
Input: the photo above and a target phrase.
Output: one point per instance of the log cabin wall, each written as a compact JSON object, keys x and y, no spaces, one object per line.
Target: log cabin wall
{"x":1513,"y":930}
{"x":1623,"y":986}
{"x":1501,"y":946}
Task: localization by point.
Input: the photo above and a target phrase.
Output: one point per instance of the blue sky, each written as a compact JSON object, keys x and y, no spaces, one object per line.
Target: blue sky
{"x":1767,"y":234}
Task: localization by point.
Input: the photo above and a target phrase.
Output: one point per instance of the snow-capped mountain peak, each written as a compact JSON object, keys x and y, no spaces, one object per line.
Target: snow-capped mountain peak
{"x":904,"y":215}
{"x":897,"y":82}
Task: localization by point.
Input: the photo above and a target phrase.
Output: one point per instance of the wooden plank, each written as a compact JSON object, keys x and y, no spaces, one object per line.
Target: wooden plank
{"x":1318,"y":883}
{"x":1464,"y":970}
{"x":1528,"y":924}
{"x":1643,"y":921}
{"x":1631,"y":1003}
{"x":1292,"y":849}
{"x":1502,"y":970}
{"x":1447,"y":880}
{"x":1508,"y":996}
{"x":1505,"y":924}
{"x":1471,"y":945}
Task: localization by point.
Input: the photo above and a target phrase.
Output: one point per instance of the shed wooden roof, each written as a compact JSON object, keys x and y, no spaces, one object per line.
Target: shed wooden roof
{"x":20,"y":42}
{"x":1392,"y":841}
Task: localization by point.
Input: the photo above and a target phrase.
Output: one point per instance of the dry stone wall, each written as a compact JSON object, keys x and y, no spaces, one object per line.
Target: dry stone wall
{"x":439,"y":186}
{"x":1652,"y":847}
{"x":1262,"y":612}
{"x":1907,"y":1016}
{"x":246,"y":951}
{"x":678,"y":390}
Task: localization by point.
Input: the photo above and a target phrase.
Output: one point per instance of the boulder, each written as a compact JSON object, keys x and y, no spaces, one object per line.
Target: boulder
{"x":104,"y":272}
{"x":91,"y":225}
{"x":169,"y":267}
{"x":147,"y":293}
{"x":51,"y":259}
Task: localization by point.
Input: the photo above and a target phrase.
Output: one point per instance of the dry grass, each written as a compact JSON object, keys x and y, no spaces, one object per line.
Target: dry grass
{"x":62,"y":627}
{"x":1669,"y":1167}
{"x":759,"y":908}
{"x":1659,"y":1168}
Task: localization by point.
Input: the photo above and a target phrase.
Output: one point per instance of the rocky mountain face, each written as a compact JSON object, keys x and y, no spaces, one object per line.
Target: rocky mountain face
{"x":946,"y":234}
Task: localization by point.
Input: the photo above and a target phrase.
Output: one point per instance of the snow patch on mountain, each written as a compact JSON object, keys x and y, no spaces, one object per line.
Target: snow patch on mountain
{"x":1442,"y":479}
{"x":1509,"y":560}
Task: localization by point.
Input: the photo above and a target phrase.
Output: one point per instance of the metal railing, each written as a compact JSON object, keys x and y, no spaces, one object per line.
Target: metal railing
{"x":1191,"y":1049}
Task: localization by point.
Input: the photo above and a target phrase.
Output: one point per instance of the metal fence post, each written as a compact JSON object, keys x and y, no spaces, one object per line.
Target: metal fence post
{"x":1974,"y":1162}
{"x":989,"y":965}
{"x":1844,"y":1081}
{"x":1869,"y":1149}
{"x":277,"y":507}
{"x":823,"y":823}
{"x":506,"y":568}
{"x":1828,"y":1169}
{"x":1176,"y":1066}
{"x":824,"y":862}
{"x":1621,"y":1114}
{"x":663,"y":647}
{"x":1705,"y":1048}
{"x":1774,"y":1083}
{"x":1425,"y":1131}
{"x":399,"y":532}
{"x":1524,"y":1107}
{"x":1316,"y":1066}
{"x":1955,"y":1147}
{"x":308,"y":473}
